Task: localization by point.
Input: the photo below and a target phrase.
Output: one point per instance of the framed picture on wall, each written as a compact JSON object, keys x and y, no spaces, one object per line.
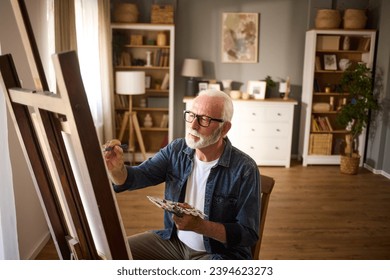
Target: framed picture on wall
{"x":240,"y":35}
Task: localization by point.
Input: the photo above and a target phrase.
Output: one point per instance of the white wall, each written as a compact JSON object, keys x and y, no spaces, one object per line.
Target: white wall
{"x":32,"y":230}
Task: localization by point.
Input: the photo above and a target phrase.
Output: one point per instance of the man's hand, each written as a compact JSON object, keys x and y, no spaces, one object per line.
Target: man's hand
{"x":187,"y":222}
{"x":202,"y":226}
{"x":115,"y":162}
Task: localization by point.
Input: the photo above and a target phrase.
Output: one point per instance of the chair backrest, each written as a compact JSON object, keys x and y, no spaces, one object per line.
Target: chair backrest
{"x":267,"y":184}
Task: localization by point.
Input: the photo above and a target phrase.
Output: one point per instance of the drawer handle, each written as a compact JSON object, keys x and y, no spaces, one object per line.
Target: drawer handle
{"x":279,"y":114}
{"x":253,"y":114}
{"x":278,"y":130}
{"x":276,"y":148}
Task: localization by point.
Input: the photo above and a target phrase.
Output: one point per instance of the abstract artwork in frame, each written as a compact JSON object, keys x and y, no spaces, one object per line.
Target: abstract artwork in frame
{"x":240,"y":37}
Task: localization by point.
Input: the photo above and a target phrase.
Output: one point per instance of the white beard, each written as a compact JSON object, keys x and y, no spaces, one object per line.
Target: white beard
{"x":203,"y":141}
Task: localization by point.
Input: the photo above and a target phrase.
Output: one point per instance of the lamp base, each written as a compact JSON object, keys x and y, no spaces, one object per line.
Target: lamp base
{"x":191,"y":87}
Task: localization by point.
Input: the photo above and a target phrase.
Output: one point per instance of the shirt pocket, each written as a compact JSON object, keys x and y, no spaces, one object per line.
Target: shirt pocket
{"x":224,"y":207}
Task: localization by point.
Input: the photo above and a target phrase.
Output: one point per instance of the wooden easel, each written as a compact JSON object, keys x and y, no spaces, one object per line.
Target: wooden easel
{"x":60,"y":144}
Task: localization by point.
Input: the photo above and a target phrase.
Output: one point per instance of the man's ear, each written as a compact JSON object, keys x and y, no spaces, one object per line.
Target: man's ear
{"x":226,"y":127}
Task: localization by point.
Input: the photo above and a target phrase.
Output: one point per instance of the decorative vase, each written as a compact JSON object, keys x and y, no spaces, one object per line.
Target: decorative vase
{"x":227,"y":86}
{"x":148,"y":121}
{"x":346,"y":43}
{"x":235,"y":94}
{"x":344,"y":63}
{"x":148,"y":58}
{"x":161,"y":39}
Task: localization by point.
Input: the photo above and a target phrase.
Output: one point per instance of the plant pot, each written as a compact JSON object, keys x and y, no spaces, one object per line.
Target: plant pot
{"x":349,"y":165}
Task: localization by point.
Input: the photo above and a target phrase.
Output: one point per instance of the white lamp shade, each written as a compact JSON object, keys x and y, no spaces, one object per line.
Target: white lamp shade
{"x":130,"y":82}
{"x":192,"y":68}
{"x":282,"y":87}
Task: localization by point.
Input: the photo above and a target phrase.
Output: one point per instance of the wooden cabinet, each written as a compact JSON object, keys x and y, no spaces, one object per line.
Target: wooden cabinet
{"x":327,"y":54}
{"x":148,"y":48}
{"x":263,"y":129}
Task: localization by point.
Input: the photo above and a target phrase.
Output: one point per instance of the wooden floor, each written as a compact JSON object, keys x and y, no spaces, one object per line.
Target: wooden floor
{"x":314,"y":213}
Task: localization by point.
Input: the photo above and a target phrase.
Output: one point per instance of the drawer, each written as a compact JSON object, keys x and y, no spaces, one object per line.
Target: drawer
{"x":249,"y":115}
{"x":275,"y":129}
{"x":274,"y":149}
{"x":262,"y":114}
{"x":267,"y":149}
{"x":261,"y":130}
{"x":278,"y":114}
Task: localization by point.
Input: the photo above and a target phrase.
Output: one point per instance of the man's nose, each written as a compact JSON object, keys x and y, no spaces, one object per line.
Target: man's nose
{"x":194,"y":124}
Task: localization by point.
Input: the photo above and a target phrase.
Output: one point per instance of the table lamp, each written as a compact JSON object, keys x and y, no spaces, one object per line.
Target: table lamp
{"x":192,"y":68}
{"x":131,"y":83}
{"x":284,"y":89}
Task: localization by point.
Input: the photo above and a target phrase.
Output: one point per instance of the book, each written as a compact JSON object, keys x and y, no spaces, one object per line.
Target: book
{"x":328,"y":124}
{"x":318,"y":64}
{"x":175,"y":208}
{"x":164,"y":121}
{"x":165,"y":82}
{"x":314,"y":125}
{"x":316,"y":86}
{"x":322,"y":123}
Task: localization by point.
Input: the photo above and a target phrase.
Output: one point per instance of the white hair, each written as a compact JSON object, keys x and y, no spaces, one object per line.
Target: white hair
{"x":227,"y":113}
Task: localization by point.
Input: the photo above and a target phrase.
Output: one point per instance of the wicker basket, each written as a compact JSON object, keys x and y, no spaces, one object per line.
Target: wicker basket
{"x":320,"y":144}
{"x":124,"y":12}
{"x":327,"y":19}
{"x":162,"y":14}
{"x":349,"y":165}
{"x":354,"y":19}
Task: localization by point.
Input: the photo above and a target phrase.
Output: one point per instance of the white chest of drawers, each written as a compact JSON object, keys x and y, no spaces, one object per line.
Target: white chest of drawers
{"x":263,"y":129}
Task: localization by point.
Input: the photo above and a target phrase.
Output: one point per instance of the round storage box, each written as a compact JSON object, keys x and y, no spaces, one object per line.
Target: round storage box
{"x":328,"y":19}
{"x":124,"y":12}
{"x":354,"y":19}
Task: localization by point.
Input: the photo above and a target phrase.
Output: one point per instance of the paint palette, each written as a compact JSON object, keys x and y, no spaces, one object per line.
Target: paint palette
{"x":173,"y":207}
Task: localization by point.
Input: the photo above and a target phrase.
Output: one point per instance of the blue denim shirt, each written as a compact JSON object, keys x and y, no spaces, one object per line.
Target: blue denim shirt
{"x":232,"y":194}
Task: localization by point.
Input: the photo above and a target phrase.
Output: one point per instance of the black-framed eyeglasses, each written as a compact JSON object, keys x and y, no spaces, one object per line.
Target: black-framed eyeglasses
{"x":203,"y":120}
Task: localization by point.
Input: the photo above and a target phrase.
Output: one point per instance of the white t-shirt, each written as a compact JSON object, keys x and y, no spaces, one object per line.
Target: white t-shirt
{"x":195,"y":194}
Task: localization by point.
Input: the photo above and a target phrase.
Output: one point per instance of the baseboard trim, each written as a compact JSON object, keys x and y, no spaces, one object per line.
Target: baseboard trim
{"x":40,"y":246}
{"x":376,"y":171}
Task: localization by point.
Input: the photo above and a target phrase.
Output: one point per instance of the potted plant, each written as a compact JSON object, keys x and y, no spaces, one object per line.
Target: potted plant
{"x":270,"y":85}
{"x":357,"y":81}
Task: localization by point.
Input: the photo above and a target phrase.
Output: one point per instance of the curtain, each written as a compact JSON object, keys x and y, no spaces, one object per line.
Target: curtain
{"x":65,"y":25}
{"x":9,"y":249}
{"x":106,"y":67}
{"x":92,"y":23}
{"x":84,"y":25}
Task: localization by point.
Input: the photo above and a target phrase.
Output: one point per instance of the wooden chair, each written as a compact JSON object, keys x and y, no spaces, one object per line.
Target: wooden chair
{"x":267,"y":184}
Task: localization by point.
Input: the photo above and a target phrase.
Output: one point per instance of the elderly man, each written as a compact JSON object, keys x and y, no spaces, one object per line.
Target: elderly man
{"x":203,"y":171}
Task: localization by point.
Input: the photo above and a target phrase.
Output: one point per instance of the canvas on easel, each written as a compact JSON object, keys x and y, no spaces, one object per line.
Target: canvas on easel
{"x":62,"y":149}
